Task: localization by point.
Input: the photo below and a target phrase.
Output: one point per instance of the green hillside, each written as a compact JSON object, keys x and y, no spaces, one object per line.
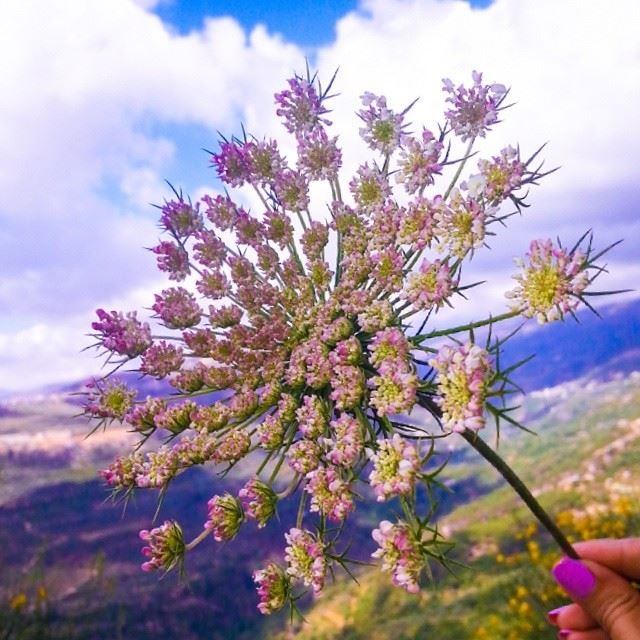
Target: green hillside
{"x":584,"y":464}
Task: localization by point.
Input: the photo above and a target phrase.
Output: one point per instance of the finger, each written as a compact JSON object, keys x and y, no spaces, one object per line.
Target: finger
{"x":610,"y":599}
{"x":621,"y":556}
{"x":572,"y":616}
{"x":571,"y":634}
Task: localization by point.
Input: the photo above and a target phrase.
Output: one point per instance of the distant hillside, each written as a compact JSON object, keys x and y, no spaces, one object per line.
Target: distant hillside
{"x":599,"y":347}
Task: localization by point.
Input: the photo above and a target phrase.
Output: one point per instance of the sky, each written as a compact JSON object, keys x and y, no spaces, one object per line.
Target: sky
{"x":102,"y":101}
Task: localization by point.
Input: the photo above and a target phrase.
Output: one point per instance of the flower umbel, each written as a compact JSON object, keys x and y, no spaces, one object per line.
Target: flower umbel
{"x":302,"y":339}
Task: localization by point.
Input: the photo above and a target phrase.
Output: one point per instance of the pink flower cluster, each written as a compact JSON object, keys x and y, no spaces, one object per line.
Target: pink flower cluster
{"x":400,"y":554}
{"x":551,"y":284}
{"x":164,"y":548}
{"x":395,"y":468}
{"x":464,"y":374}
{"x":273,"y":588}
{"x":225,"y":517}
{"x":305,"y":558}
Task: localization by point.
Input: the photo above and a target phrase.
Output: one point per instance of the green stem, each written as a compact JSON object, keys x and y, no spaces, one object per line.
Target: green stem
{"x":464,"y":327}
{"x":196,"y":541}
{"x":459,"y":170}
{"x":521,"y":489}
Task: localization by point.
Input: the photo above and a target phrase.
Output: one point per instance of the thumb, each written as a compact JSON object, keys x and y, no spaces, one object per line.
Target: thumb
{"x":609,"y":598}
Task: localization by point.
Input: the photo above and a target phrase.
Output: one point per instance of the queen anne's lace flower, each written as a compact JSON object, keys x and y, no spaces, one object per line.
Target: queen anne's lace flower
{"x":400,"y":554}
{"x":551,"y":284}
{"x":273,"y":588}
{"x":296,"y":334}
{"x":225,"y":517}
{"x":164,"y":548}
{"x":463,"y":378}
{"x":330,"y":493}
{"x":258,"y":501}
{"x":305,"y":558}
{"x":395,"y":466}
{"x":474,"y":109}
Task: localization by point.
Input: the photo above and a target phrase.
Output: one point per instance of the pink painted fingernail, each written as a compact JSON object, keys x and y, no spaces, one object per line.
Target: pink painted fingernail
{"x":574,"y":577}
{"x":552,"y":616}
{"x":564,"y":633}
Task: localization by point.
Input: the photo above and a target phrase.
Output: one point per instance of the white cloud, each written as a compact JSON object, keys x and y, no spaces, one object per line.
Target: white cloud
{"x":89,"y":86}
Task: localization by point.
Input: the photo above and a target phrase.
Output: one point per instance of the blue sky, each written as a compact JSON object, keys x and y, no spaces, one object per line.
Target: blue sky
{"x":309,"y":23}
{"x":109,"y":98}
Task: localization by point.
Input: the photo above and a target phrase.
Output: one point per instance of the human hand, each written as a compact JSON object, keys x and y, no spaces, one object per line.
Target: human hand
{"x":606,"y":605}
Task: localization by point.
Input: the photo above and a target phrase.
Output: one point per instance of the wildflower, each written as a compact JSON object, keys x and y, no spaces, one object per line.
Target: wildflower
{"x":551,"y":284}
{"x":389,"y":345}
{"x":314,"y":240}
{"x":304,"y":456}
{"x":181,"y":218}
{"x":347,"y":351}
{"x":292,"y":190}
{"x":210,"y":418}
{"x":460,"y":225}
{"x":300,"y":106}
{"x":231,"y":164}
{"x":176,"y":418}
{"x":311,"y":417}
{"x":172,"y":259}
{"x":369,"y":187}
{"x":474,"y":109}
{"x":346,"y":448}
{"x":233,"y":447}
{"x":388,"y":265}
{"x":416,"y":227}
{"x":498,"y":178}
{"x":395,"y":466}
{"x":161,"y":359}
{"x":177,"y":308}
{"x":431,"y":286}
{"x":123,"y":334}
{"x":376,"y":317}
{"x":225,"y":517}
{"x":418,"y":162}
{"x":258,"y":501}
{"x":305,"y":558}
{"x":271,"y":432}
{"x":111,"y":399}
{"x":142,"y":417}
{"x":225,"y":316}
{"x":319,"y":157}
{"x":383,"y":128}
{"x":264,"y":162}
{"x":123,"y":472}
{"x":209,"y":249}
{"x":330,"y":494}
{"x":222,"y":211}
{"x":165,"y":547}
{"x":348,"y":386}
{"x":463,"y":377}
{"x":273,"y":588}
{"x":394,"y":390}
{"x":400,"y":554}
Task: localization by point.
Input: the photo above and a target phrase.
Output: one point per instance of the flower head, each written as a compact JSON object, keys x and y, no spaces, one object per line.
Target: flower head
{"x":463,"y":377}
{"x":395,"y":466}
{"x":551,"y":284}
{"x":305,"y":558}
{"x":225,"y":517}
{"x":258,"y":501}
{"x":400,"y":554}
{"x":382,"y":127}
{"x":273,"y":586}
{"x":164,"y":548}
{"x":475,"y":109}
{"x":123,"y":334}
